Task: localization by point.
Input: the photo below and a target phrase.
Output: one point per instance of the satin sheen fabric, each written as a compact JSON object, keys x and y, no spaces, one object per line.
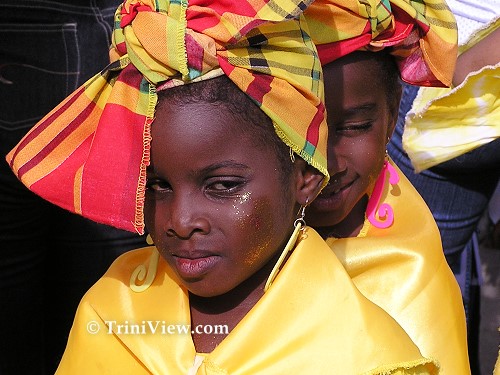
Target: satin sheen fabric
{"x":403,"y":270}
{"x":312,"y":320}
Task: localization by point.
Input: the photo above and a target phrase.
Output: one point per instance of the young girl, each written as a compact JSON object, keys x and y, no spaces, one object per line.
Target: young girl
{"x":235,"y":284}
{"x":369,"y":213}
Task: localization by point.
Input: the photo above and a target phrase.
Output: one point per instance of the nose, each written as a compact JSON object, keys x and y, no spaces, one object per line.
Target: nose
{"x":186,"y":217}
{"x":337,"y":163}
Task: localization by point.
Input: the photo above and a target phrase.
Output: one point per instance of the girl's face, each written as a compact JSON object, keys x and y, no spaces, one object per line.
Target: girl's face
{"x":359,"y":125}
{"x":216,"y":207}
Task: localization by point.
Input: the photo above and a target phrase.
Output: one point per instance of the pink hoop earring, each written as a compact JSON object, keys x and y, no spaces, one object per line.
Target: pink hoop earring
{"x":382,"y":216}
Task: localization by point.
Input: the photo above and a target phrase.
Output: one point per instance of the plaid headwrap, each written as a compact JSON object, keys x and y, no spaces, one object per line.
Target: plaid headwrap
{"x":421,"y":34}
{"x":89,"y":155}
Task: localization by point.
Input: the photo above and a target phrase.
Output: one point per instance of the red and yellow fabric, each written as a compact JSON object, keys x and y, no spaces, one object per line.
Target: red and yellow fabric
{"x":312,"y":310}
{"x":403,"y":270}
{"x":445,"y":123}
{"x":89,"y":155}
{"x":422,"y":34}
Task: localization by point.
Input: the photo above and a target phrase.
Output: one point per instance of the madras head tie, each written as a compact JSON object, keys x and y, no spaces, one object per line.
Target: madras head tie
{"x":89,"y":155}
{"x":421,"y":35}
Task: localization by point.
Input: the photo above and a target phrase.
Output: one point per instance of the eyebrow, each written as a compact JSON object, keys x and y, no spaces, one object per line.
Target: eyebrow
{"x":224,"y":164}
{"x":363,"y":108}
{"x":211,"y":168}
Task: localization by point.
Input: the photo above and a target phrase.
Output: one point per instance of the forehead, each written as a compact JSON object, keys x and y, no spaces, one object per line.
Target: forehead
{"x":200,"y":133}
{"x":353,"y":81}
{"x":353,"y":68}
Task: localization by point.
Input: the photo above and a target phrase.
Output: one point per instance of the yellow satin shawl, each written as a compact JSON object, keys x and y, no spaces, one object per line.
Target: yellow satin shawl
{"x":402,"y":269}
{"x":312,"y":320}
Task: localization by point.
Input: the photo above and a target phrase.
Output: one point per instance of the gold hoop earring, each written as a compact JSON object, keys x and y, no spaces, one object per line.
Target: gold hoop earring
{"x":299,"y":226}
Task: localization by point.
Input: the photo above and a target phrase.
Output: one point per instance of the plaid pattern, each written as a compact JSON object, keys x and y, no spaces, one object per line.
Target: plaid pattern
{"x":421,"y":34}
{"x":89,"y":155}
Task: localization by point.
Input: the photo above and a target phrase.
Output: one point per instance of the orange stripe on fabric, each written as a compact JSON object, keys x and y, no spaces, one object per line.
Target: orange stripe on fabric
{"x":77,"y":188}
{"x":122,"y":90}
{"x":282,"y":93}
{"x":58,"y":149}
{"x":46,"y":122}
{"x":59,"y":120}
{"x":42,"y":145}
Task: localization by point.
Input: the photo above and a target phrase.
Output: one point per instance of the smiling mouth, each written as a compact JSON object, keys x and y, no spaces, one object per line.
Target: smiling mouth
{"x":331,"y":192}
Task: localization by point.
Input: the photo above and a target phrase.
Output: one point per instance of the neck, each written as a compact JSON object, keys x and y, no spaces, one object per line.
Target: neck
{"x":350,"y":226}
{"x":227,"y":309}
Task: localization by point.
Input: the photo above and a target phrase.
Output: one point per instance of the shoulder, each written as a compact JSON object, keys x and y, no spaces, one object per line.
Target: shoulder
{"x":134,"y":267}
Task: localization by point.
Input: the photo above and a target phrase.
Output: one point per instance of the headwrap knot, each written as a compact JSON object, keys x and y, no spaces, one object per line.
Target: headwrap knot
{"x":100,"y":135}
{"x":420,"y":34}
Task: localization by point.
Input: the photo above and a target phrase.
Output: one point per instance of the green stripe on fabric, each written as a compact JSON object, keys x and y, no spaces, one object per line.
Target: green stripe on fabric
{"x":176,"y":47}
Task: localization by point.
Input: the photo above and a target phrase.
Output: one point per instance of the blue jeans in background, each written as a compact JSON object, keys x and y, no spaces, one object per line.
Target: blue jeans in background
{"x":48,"y":257}
{"x":457,"y":193}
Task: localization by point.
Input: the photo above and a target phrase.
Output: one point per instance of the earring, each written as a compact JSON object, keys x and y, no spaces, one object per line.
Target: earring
{"x":299,"y":226}
{"x":149,"y":240}
{"x":382,"y":216}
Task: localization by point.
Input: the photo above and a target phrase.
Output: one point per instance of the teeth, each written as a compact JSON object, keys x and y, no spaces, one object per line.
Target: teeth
{"x":337,"y":190}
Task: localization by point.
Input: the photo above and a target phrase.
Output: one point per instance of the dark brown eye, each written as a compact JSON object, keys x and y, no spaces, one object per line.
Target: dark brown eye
{"x":157,"y":185}
{"x":354,"y":127}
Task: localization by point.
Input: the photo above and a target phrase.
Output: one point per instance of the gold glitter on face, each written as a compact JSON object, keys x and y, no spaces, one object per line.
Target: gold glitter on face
{"x":218,"y":210}
{"x":258,"y":222}
{"x":239,"y":206}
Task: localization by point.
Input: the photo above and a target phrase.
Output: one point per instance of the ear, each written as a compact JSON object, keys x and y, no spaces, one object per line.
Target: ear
{"x":394,"y":111}
{"x":308,"y":182}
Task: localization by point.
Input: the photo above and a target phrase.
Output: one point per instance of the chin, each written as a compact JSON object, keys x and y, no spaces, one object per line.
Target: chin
{"x":203,"y":292}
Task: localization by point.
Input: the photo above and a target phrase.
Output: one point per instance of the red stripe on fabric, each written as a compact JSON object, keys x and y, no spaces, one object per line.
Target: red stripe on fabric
{"x":260,"y":86}
{"x":40,"y":127}
{"x":403,"y":26}
{"x":121,"y":48}
{"x":112,"y":171}
{"x":194,"y":53}
{"x":313,"y":129}
{"x":128,"y":17}
{"x":332,"y":51}
{"x":130,"y":76}
{"x":249,"y":27}
{"x":63,"y":196}
{"x":202,"y":20}
{"x":57,"y":140}
{"x":226,"y":67}
{"x":404,"y":21}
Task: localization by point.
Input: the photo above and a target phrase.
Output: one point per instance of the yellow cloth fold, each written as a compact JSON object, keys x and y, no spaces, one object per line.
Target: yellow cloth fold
{"x":446,"y":123}
{"x":402,"y":269}
{"x":312,"y":320}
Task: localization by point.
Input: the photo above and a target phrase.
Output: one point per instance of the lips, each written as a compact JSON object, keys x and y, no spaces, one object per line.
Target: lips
{"x":193,"y":265}
{"x":336,"y":188}
{"x":333,"y":196}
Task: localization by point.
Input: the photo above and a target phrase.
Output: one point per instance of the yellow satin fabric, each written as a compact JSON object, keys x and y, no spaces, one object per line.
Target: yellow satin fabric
{"x":445,"y":123}
{"x":403,"y":270}
{"x":312,"y":320}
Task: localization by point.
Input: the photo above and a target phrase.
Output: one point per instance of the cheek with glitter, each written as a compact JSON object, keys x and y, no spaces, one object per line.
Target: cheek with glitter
{"x":240,"y":206}
{"x":258,"y":225}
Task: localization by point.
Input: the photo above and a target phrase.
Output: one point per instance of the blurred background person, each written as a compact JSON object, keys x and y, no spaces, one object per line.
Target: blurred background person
{"x":48,"y":257}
